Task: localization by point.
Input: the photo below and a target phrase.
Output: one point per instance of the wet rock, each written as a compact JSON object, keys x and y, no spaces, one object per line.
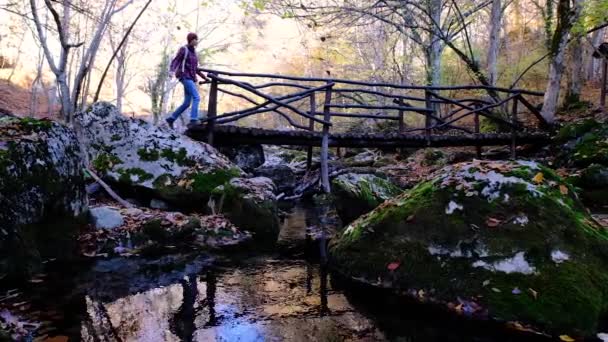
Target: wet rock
{"x":593,"y":182}
{"x":247,"y":157}
{"x":158,"y":204}
{"x":365,"y":158}
{"x":282,"y":175}
{"x":155,"y":232}
{"x":251,"y":204}
{"x":357,"y":194}
{"x":142,"y":157}
{"x":41,"y":180}
{"x":477,"y":231}
{"x":583,"y":143}
{"x":106,"y":217}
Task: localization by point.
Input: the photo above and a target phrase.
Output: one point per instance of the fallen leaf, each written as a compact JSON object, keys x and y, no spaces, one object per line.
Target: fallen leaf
{"x":410,"y":218}
{"x":393,"y":266}
{"x":492,"y":222}
{"x":485,"y":283}
{"x":563,"y":189}
{"x":538,"y":178}
{"x":496,"y":290}
{"x":566,"y":338}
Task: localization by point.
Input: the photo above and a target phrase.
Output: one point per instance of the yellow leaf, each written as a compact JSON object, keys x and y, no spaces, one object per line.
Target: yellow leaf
{"x":563,"y":189}
{"x":538,"y":178}
{"x":566,"y":338}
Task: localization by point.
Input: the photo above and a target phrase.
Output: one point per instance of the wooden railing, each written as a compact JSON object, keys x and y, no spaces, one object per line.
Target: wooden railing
{"x":456,"y":110}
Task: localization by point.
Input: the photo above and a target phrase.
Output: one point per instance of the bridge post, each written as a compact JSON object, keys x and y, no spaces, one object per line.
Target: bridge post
{"x":325,"y":142}
{"x":311,"y":127}
{"x":428,"y":121}
{"x":514,"y":127}
{"x":401,"y":116}
{"x":212,"y":110}
{"x":477,"y":131}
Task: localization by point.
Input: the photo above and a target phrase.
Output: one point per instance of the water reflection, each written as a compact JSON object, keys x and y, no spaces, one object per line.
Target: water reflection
{"x":269,"y":300}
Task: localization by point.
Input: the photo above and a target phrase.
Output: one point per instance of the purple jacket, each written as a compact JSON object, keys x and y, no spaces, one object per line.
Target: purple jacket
{"x":185,"y":69}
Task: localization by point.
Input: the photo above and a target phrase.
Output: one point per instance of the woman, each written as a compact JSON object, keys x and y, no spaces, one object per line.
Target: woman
{"x":185,"y":67}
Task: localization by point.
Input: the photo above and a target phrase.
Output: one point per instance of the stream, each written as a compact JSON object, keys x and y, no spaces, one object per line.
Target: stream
{"x":286,"y":295}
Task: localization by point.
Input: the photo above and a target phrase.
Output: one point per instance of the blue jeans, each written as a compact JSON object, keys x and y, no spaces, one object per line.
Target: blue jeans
{"x":190,"y":96}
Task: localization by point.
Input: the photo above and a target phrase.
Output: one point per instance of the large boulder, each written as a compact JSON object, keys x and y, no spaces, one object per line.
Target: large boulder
{"x":357,"y":194}
{"x":138,"y":155}
{"x":250,"y":203}
{"x":583,"y":143}
{"x":247,"y":157}
{"x":42,"y":194}
{"x":506,"y":240}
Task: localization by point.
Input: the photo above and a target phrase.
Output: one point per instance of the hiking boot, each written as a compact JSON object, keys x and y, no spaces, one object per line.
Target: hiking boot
{"x":194,"y":122}
{"x":170,"y":122}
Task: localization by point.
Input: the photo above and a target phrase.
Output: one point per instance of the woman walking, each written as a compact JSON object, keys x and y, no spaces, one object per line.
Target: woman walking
{"x":185,"y":67}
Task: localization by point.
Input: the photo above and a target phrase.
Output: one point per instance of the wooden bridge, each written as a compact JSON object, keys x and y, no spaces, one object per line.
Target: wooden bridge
{"x":441,"y":116}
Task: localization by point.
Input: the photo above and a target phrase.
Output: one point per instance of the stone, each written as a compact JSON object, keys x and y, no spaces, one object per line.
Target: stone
{"x":42,"y":196}
{"x":593,"y":182}
{"x":158,"y":204}
{"x":247,"y":157}
{"x":106,"y":217}
{"x":583,"y":143}
{"x":474,"y":232}
{"x":134,"y":154}
{"x":357,"y":194}
{"x":282,"y":175}
{"x":250,"y":203}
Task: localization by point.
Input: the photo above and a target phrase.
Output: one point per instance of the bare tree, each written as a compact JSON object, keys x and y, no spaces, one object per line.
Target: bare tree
{"x":494,"y":40}
{"x":59,"y":67}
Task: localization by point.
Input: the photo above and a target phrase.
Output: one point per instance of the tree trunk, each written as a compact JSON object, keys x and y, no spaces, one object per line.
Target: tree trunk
{"x":593,"y":64}
{"x":494,"y":41}
{"x":575,"y":71}
{"x":565,"y":19}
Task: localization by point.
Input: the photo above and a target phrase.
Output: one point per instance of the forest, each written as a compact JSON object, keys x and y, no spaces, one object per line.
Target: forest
{"x":303,"y":170}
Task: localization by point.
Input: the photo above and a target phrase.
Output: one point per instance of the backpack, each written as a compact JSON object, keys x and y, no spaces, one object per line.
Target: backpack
{"x":175,"y":63}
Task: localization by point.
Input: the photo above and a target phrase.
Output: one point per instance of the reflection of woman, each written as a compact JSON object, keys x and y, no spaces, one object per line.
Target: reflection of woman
{"x":182,"y":323}
{"x":185,"y":67}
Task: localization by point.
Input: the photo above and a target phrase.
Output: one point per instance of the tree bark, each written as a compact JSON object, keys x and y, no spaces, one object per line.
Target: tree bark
{"x":565,"y":18}
{"x":494,"y":40}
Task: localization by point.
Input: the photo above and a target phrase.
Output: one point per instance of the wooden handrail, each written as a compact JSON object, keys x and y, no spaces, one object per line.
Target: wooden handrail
{"x":372,"y":84}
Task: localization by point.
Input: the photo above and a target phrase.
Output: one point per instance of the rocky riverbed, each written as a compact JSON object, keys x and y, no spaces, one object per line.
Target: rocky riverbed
{"x":416,"y":245}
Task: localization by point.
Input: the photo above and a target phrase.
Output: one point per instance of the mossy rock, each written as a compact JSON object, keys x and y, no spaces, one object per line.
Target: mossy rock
{"x":583,"y":143}
{"x":148,"y":161}
{"x":593,"y":185}
{"x":251,"y":205}
{"x":357,"y":194}
{"x":506,"y":240}
{"x":41,"y":183}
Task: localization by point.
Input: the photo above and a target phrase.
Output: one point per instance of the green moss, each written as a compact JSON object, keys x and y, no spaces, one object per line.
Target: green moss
{"x":126,"y":176}
{"x":115,"y":137}
{"x":105,"y":162}
{"x":207,"y":182}
{"x":146,"y":154}
{"x":432,"y":156}
{"x":576,"y":130}
{"x":36,"y":124}
{"x":487,"y":125}
{"x":180,"y":157}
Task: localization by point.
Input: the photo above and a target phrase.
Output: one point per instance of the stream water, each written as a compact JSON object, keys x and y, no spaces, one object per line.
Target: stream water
{"x":259,"y":297}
